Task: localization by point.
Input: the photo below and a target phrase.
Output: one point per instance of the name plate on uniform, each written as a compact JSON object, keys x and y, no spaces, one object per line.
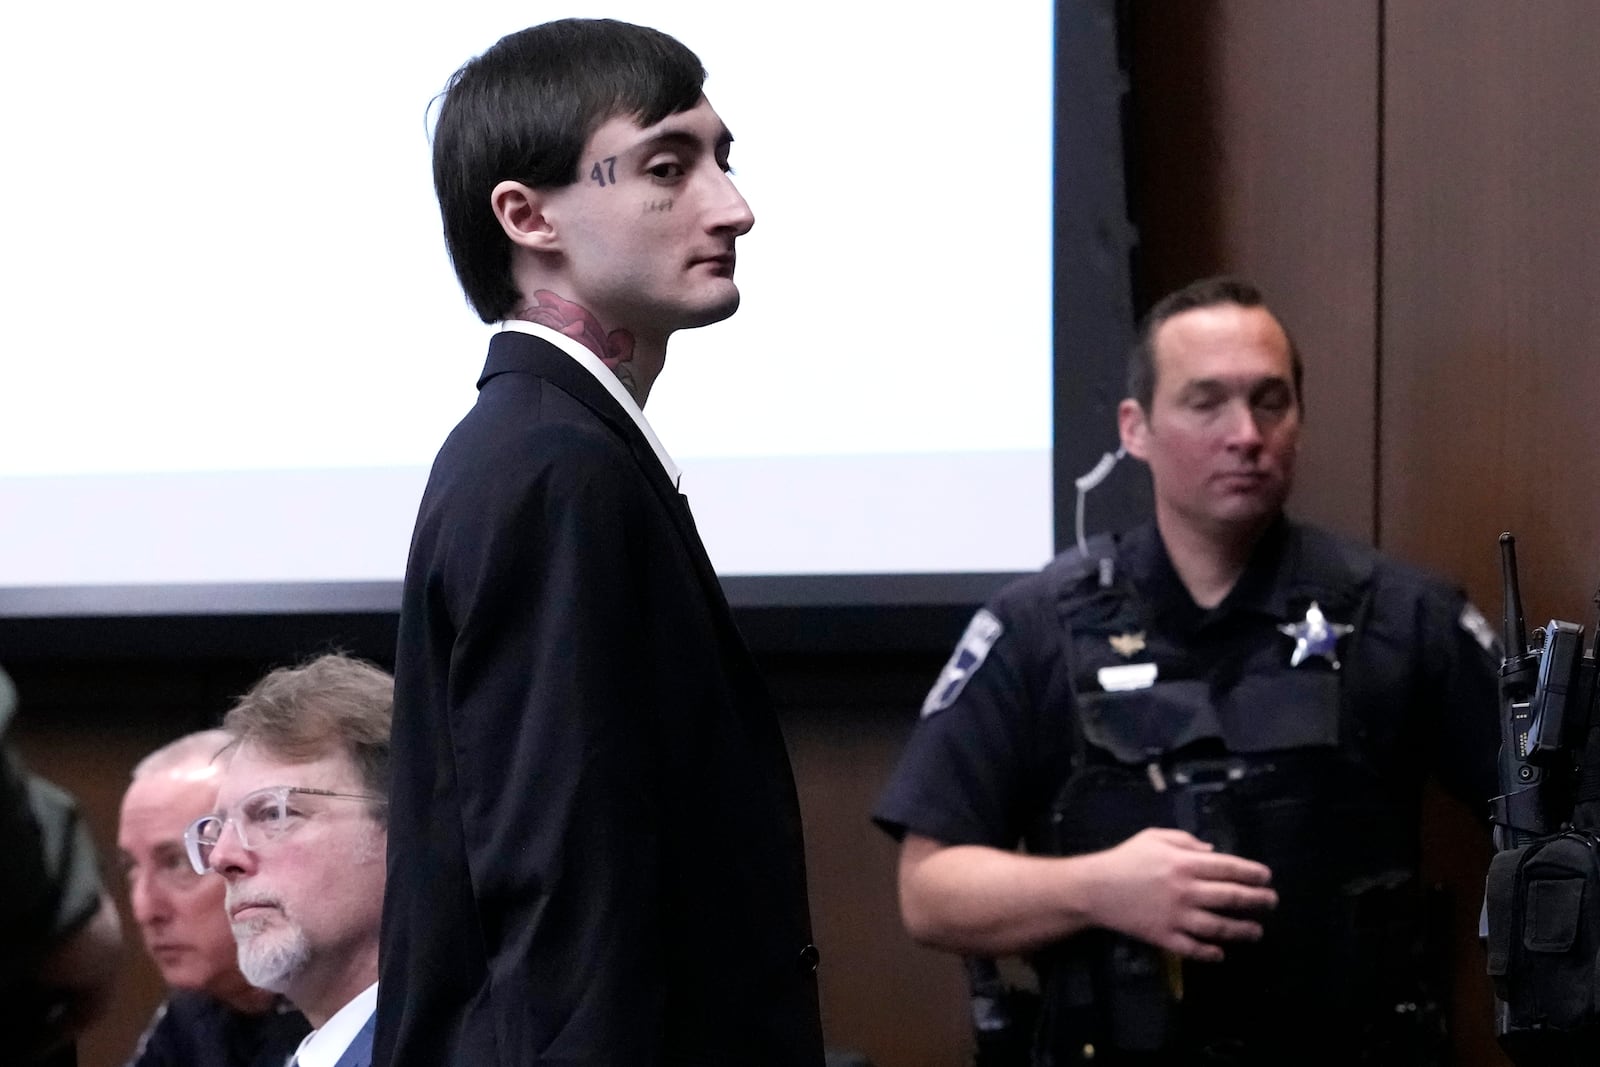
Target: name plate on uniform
{"x":1127,"y":676}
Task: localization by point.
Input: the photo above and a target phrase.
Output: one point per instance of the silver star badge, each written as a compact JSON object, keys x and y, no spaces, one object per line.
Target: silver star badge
{"x":1315,"y":636}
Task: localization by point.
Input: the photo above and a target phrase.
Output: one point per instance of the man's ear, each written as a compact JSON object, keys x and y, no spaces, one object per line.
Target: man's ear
{"x":1133,"y":424}
{"x":521,"y":213}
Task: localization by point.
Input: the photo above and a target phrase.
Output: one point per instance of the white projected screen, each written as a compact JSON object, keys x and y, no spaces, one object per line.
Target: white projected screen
{"x":233,"y":341}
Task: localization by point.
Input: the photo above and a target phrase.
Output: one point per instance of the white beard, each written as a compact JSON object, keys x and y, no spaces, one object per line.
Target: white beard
{"x":271,"y":958}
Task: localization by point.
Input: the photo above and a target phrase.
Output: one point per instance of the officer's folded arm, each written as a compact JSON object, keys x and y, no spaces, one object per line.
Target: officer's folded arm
{"x":1162,"y":886}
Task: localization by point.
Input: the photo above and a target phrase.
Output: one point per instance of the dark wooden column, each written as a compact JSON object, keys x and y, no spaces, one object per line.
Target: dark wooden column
{"x":1256,"y":153}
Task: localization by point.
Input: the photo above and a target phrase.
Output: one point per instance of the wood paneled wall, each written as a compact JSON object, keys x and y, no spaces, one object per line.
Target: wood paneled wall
{"x":1491,"y":319}
{"x":1414,"y":183}
{"x":1417,"y":186}
{"x":1255,"y":152}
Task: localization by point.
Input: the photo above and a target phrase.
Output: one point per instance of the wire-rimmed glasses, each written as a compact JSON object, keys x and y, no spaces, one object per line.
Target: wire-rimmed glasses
{"x":260,"y":817}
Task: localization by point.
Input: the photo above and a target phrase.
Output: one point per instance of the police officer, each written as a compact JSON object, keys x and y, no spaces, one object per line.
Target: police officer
{"x":1210,"y":734}
{"x":60,"y":939}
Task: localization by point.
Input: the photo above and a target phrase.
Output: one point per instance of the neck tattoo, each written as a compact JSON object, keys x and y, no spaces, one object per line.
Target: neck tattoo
{"x":615,"y":348}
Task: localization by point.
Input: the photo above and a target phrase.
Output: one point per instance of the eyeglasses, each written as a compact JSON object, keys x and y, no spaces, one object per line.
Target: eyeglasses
{"x":259,"y":818}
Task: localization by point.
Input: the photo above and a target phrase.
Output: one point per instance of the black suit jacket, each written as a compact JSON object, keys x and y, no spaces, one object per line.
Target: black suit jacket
{"x":594,"y":843}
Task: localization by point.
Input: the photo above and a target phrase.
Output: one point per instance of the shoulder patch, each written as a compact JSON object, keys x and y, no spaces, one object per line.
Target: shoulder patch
{"x":973,"y":648}
{"x":1474,"y":623}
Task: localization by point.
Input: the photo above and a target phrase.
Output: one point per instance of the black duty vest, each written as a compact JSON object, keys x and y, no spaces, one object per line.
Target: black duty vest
{"x":1265,"y":760}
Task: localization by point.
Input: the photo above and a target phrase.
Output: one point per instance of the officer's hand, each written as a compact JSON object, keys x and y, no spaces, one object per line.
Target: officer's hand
{"x":1175,"y":891}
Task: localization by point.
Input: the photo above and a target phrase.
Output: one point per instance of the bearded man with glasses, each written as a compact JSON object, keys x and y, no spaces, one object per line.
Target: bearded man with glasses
{"x":300,"y":836}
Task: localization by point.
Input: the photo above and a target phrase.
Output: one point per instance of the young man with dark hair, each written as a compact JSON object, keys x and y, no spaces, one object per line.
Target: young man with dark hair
{"x":595,"y":847}
{"x":1211,"y":732}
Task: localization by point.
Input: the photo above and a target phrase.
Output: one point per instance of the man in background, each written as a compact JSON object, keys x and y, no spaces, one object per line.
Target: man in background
{"x":1211,"y":732}
{"x":598,"y":856}
{"x":212,"y":1016}
{"x":299,"y":833}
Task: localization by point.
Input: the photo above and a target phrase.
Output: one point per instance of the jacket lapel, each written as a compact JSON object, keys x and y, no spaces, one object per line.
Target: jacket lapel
{"x":512,"y":352}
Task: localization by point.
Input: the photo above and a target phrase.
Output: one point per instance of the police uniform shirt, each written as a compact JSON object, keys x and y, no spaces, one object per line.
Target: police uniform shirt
{"x":997,"y":733}
{"x":1332,"y":680}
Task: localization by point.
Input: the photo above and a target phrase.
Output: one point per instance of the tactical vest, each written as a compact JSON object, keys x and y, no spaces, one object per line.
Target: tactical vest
{"x":1215,"y":733}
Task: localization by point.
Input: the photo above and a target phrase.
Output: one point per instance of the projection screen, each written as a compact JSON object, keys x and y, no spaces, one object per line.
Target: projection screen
{"x":235,"y":341}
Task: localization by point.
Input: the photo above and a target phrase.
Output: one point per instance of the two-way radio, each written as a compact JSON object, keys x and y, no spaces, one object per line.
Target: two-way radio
{"x":1542,"y":905}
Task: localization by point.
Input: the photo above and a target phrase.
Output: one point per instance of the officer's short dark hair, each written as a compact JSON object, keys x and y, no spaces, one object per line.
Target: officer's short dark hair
{"x":1207,"y":292}
{"x":523,"y":111}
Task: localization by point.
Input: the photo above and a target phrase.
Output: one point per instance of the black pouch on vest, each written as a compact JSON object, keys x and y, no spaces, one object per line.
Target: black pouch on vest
{"x":1543,"y":904}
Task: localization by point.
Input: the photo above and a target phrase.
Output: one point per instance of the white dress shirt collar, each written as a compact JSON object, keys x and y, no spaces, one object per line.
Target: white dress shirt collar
{"x":603,"y":374}
{"x":324,"y":1045}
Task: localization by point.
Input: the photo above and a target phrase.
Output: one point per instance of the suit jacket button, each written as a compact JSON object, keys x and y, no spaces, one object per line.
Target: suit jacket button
{"x":808,"y":959}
